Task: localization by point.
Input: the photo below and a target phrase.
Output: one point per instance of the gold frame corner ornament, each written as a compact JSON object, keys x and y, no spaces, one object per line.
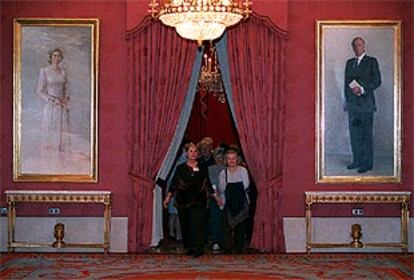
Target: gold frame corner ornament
{"x":321,"y":28}
{"x":93,"y":28}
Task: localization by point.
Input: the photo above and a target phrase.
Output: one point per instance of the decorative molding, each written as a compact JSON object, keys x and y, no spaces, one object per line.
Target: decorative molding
{"x":357,"y":197}
{"x":59,"y":196}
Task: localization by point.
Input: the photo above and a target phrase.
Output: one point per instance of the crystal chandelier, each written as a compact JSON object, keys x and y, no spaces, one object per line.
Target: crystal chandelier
{"x":210,"y":80}
{"x":200,"y":20}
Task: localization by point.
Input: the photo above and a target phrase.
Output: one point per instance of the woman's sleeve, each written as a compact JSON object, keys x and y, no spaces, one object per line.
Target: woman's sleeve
{"x":177,"y":181}
{"x":222,"y":181}
{"x":207,"y":184}
{"x":42,"y":85}
{"x":174,"y":182}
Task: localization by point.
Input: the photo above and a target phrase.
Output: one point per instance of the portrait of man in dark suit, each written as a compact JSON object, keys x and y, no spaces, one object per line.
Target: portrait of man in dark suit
{"x":358,"y":104}
{"x":362,"y":78}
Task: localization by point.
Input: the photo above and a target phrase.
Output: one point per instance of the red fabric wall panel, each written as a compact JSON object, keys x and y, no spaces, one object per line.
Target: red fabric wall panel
{"x":112,"y":99}
{"x":408,"y":96}
{"x":135,"y":11}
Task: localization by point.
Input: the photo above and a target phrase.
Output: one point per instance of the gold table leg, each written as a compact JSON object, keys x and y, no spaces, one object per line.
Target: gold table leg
{"x":107,"y":227}
{"x":11,"y":219}
{"x":308,"y":228}
{"x":404,"y":227}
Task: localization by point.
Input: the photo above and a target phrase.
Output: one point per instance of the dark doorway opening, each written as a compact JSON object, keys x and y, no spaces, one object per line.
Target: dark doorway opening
{"x":210,"y":117}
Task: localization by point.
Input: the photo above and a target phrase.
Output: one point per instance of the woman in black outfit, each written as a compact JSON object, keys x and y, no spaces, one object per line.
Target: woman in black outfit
{"x":192,"y":187}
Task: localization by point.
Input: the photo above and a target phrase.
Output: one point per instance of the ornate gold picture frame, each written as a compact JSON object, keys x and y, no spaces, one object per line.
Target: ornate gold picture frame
{"x":358,"y":99}
{"x":55,"y":99}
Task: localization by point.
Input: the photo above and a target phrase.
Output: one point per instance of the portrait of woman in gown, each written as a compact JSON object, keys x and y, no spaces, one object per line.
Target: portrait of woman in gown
{"x":55,"y":128}
{"x":54,"y":91}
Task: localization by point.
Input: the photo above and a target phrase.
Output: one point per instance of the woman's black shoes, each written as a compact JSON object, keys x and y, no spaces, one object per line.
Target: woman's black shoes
{"x":190,"y":252}
{"x":195,"y":253}
{"x":198,"y":253}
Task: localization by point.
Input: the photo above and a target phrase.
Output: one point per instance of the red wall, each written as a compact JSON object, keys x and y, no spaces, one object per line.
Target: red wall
{"x":299,"y":163}
{"x":112,"y":95}
{"x":1,"y":102}
{"x":297,"y":16}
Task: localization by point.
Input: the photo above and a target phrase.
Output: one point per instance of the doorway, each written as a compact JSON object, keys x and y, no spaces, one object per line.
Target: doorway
{"x":210,"y":117}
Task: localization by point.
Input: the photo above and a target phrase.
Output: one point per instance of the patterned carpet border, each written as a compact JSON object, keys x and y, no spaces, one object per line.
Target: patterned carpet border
{"x":171,"y":267}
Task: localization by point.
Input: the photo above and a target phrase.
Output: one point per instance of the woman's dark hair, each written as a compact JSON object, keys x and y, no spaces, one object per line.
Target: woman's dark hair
{"x":223,"y":145}
{"x":233,"y":149}
{"x":51,"y":52}
{"x":219,"y":152}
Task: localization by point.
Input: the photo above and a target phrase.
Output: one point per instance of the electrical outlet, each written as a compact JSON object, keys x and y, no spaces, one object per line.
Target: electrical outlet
{"x":357,"y":211}
{"x":54,"y":211}
{"x":3,"y":211}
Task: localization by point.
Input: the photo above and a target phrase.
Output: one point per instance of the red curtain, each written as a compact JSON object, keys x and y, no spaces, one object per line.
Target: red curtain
{"x":215,"y":122}
{"x":256,"y":51}
{"x":159,"y":70}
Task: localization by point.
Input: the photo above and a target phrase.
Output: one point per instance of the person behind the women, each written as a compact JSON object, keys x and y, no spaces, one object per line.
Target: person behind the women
{"x":205,"y":146}
{"x":234,"y":183}
{"x":216,"y":215}
{"x":192,"y":188}
{"x":53,"y":89}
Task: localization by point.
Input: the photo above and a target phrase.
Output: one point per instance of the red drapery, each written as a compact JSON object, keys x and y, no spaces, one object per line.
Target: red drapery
{"x":218,"y":123}
{"x":159,"y":70}
{"x":256,"y":51}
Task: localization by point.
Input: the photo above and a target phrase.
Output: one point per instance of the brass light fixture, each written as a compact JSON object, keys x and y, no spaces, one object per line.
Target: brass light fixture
{"x":210,"y":79}
{"x":200,"y":20}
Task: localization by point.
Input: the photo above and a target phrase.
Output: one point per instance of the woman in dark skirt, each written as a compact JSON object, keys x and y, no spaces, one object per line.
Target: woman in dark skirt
{"x":192,"y":188}
{"x":234,"y":183}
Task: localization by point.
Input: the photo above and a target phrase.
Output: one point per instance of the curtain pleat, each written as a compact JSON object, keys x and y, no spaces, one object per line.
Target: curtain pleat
{"x":169,"y":160}
{"x":256,"y":55}
{"x":160,"y":65}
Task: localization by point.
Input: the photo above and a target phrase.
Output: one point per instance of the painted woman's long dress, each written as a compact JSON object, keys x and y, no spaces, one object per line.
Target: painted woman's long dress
{"x":55,"y":145}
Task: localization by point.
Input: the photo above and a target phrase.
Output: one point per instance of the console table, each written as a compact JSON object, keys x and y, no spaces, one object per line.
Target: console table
{"x":402,"y":198}
{"x":96,"y":197}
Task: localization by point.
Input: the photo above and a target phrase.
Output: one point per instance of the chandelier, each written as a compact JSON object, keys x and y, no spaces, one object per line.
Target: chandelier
{"x":200,"y":20}
{"x":210,"y":79}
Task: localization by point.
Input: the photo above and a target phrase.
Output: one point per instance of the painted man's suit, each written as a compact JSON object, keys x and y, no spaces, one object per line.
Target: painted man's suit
{"x":361,"y":109}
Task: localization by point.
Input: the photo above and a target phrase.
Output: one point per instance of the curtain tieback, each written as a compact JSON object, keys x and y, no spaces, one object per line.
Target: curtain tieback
{"x":141,"y":181}
{"x":267,"y":184}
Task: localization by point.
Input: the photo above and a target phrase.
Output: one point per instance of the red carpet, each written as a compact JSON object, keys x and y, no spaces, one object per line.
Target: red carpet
{"x":162,"y":267}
